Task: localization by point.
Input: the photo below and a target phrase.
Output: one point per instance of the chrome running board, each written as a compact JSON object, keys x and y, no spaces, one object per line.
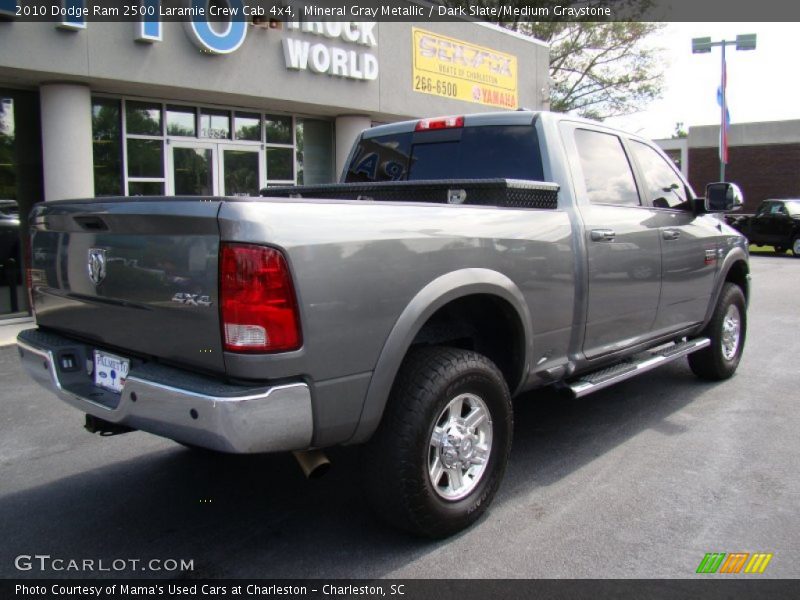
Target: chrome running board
{"x":631,"y":367}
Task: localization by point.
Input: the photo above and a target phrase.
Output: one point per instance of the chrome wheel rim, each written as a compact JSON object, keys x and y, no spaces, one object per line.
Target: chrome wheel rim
{"x":460,"y":445}
{"x":731,"y":332}
{"x":796,"y":246}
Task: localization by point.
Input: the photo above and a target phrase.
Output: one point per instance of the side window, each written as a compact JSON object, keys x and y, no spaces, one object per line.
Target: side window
{"x":765,"y":208}
{"x":777,"y":209}
{"x":664,"y":188}
{"x":606,"y":170}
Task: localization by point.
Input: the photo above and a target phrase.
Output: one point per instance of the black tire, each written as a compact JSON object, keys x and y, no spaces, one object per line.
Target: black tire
{"x":396,"y":459}
{"x":712,"y":363}
{"x":796,"y":246}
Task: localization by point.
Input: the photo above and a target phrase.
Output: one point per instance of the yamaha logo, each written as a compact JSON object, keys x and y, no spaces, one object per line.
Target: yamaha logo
{"x":97,"y":265}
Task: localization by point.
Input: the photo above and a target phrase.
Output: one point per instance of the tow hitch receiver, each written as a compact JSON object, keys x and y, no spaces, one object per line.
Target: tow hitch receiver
{"x":103,"y":427}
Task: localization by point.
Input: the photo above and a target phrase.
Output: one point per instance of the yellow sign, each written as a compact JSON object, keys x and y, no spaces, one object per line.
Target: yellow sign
{"x":448,"y":67}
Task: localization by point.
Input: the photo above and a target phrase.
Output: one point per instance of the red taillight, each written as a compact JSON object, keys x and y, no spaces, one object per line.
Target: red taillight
{"x":439,"y":123}
{"x":258,"y":307}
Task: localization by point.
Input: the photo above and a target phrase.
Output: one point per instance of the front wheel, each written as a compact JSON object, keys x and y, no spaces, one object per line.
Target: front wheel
{"x":437,"y":459}
{"x":726,"y":330}
{"x":796,"y":246}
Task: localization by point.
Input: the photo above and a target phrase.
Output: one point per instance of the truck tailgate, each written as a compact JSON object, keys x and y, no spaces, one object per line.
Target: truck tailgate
{"x":135,"y":275}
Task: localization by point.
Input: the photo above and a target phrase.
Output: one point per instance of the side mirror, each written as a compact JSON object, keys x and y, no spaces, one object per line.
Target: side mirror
{"x":722,"y":197}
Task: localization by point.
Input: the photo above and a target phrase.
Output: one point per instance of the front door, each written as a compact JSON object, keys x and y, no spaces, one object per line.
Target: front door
{"x":241,"y":170}
{"x":214,"y":169}
{"x":689,"y":242}
{"x":193,"y":169}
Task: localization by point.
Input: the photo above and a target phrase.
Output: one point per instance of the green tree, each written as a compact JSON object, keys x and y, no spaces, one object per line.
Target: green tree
{"x":598,"y":69}
{"x":680,"y":131}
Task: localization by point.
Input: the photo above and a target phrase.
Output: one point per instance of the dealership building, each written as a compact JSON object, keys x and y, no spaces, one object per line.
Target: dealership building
{"x":199,"y":108}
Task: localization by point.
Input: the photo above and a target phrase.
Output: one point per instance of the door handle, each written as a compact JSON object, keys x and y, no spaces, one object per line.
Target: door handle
{"x":603,"y":235}
{"x":670,"y":234}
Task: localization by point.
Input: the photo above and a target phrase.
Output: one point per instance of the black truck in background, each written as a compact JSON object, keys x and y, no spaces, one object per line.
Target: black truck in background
{"x":776,"y":223}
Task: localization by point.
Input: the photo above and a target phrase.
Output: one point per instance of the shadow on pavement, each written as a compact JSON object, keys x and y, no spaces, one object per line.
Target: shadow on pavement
{"x":256,"y":516}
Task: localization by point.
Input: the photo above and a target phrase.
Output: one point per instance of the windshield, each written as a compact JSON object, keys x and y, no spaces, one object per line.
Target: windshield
{"x":509,"y":152}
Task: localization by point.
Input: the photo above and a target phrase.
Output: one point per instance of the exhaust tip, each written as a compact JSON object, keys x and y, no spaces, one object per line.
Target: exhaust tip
{"x":313,"y":463}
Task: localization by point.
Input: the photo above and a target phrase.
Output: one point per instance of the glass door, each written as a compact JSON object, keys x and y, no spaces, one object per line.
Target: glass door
{"x":242,"y":171}
{"x":192,"y":169}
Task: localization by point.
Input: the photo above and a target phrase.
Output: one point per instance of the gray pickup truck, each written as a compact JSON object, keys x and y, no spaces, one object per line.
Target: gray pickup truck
{"x":461,"y":262}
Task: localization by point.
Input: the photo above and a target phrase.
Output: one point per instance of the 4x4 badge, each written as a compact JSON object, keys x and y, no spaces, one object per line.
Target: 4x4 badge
{"x":97,"y":265}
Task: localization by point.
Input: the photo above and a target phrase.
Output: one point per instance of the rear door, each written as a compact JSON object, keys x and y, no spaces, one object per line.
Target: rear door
{"x":623,"y":249}
{"x":140,"y":276}
{"x":761,"y":225}
{"x":782,"y":226}
{"x":689,"y":242}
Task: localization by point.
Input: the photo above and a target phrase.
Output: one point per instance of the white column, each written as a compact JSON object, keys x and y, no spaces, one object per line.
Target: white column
{"x":348,"y":127}
{"x":67,"y":141}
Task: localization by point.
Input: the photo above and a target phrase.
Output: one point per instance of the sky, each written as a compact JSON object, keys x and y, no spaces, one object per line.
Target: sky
{"x":763,"y":84}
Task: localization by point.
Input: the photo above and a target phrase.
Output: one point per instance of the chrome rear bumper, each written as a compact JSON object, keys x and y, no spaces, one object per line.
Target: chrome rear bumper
{"x":174,"y":403}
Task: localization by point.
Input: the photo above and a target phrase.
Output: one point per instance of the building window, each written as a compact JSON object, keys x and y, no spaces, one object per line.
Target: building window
{"x":279,"y":164}
{"x":314,"y":147}
{"x":247,"y":126}
{"x":142,"y":118}
{"x":181,"y":121}
{"x":145,"y":158}
{"x":279,"y":129}
{"x":215,"y":124}
{"x":241,"y":172}
{"x":193,"y":172}
{"x":20,"y":189}
{"x":106,"y":147}
{"x":144,"y":148}
{"x":145,"y":188}
{"x":8,"y":171}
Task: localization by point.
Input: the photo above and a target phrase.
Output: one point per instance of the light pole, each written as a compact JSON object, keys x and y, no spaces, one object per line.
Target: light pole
{"x":702,"y":46}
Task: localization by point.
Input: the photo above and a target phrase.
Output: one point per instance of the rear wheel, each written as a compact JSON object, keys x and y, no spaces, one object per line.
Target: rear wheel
{"x":438,"y":457}
{"x":726,"y":330}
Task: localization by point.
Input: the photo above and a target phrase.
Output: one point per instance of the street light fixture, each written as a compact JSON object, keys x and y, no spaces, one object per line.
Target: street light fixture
{"x":703,"y":45}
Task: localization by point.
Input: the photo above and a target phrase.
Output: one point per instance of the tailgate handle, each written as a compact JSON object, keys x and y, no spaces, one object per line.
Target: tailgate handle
{"x":92,"y":223}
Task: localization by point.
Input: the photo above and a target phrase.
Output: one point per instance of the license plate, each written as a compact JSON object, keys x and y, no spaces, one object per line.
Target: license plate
{"x":110,"y":371}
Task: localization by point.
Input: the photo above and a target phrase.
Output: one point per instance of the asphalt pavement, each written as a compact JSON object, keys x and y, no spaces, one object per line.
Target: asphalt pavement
{"x":639,"y":480}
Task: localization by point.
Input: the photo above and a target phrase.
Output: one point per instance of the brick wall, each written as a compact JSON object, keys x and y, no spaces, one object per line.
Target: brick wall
{"x":763,"y":171}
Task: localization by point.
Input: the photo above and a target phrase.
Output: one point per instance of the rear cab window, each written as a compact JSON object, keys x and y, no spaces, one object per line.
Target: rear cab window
{"x":476,"y":152}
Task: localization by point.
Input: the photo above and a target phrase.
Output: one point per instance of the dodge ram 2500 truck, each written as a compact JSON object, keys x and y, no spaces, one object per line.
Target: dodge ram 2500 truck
{"x":460,"y":262}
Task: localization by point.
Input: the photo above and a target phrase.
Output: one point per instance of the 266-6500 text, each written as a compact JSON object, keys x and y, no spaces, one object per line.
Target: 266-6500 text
{"x":442,"y":88}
